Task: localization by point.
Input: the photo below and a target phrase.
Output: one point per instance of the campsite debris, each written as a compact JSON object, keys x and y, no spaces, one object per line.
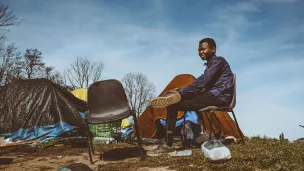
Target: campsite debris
{"x":76,"y":167}
{"x":103,"y":140}
{"x":229,"y":140}
{"x":2,"y":140}
{"x":181,"y":153}
{"x":214,"y":150}
{"x":7,"y":142}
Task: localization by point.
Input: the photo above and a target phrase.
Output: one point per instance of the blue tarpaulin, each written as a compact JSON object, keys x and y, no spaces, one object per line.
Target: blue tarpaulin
{"x":44,"y":133}
{"x":191,"y":117}
{"x":128,"y":130}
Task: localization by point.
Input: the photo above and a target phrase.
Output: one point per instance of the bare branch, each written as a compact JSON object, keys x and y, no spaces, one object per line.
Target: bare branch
{"x":7,"y":18}
{"x":139,"y":91}
{"x":48,"y":71}
{"x":33,"y":60}
{"x":82,"y":72}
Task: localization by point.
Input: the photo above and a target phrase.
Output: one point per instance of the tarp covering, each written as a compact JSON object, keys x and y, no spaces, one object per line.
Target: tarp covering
{"x":192,"y":125}
{"x":44,"y":133}
{"x":191,"y":116}
{"x":38,"y":102}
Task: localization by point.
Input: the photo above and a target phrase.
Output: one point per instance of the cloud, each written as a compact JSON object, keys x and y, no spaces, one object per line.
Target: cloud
{"x":276,"y":1}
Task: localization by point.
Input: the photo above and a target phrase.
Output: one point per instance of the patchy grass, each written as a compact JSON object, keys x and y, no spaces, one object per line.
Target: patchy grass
{"x":259,"y":153}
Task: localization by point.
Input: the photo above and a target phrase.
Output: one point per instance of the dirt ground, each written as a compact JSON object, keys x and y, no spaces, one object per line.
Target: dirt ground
{"x":257,"y":154}
{"x":53,"y":158}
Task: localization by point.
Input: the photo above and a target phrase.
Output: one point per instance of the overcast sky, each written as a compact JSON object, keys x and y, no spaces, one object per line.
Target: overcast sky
{"x":261,"y":39}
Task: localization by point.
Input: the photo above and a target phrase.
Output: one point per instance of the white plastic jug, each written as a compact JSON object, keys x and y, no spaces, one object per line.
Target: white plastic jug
{"x":214,"y":150}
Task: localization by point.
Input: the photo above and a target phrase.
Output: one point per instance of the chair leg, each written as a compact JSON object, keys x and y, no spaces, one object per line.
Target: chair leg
{"x":238,"y":127}
{"x":202,"y":119}
{"x":88,"y":140}
{"x":91,"y":142}
{"x":142,"y":152}
{"x":218,"y":121}
{"x":211,"y":127}
{"x":184,"y":132}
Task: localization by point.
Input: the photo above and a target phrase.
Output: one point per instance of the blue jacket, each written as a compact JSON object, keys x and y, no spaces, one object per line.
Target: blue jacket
{"x":217,"y":79}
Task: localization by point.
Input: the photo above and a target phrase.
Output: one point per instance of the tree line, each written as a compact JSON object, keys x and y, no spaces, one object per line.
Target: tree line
{"x":16,"y":65}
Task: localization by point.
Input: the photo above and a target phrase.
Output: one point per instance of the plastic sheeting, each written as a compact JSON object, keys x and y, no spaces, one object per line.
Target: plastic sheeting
{"x":38,"y":102}
{"x":192,"y":125}
{"x":44,"y":133}
{"x":190,"y":116}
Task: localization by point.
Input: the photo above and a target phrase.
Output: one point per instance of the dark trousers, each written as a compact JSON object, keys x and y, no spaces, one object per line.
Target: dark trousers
{"x":198,"y":102}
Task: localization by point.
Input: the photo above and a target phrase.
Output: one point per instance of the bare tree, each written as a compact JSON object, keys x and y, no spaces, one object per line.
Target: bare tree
{"x":15,"y":70}
{"x":9,"y":56}
{"x":47,"y":71}
{"x":33,"y":61}
{"x":82,"y":72}
{"x":96,"y":70}
{"x":139,"y":91}
{"x":57,"y":78}
{"x":8,"y":18}
{"x":53,"y":75}
{"x":10,"y":62}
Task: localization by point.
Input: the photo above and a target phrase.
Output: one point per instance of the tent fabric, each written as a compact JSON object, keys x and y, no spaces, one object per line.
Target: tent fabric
{"x":44,"y":133}
{"x":126,"y":122}
{"x":38,"y":102}
{"x":221,"y":121}
{"x":81,"y":93}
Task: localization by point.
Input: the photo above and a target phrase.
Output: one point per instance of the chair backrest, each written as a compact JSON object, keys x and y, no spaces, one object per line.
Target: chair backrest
{"x":233,"y":102}
{"x":107,"y":101}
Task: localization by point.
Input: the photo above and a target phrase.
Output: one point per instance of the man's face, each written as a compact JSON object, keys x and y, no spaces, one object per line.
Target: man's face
{"x":204,"y":51}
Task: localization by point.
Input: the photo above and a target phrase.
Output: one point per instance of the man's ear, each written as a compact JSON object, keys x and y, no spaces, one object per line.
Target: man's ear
{"x":213,"y":49}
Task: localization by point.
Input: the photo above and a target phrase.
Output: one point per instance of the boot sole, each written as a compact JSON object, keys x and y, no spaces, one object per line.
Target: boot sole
{"x":161,"y":102}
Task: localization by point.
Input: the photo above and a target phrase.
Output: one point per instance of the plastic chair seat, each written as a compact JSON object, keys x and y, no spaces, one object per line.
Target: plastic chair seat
{"x":215,"y":108}
{"x":109,"y":116}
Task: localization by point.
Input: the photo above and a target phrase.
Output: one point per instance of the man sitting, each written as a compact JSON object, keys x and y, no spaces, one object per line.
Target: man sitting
{"x":213,"y":88}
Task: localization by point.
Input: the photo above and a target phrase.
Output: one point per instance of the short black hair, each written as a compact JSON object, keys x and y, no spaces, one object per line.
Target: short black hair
{"x":210,"y":41}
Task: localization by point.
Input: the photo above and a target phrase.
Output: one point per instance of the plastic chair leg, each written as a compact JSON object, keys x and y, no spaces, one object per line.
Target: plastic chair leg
{"x":88,"y":140}
{"x":238,"y":127}
{"x":184,"y":132}
{"x":211,"y":127}
{"x":142,"y":152}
